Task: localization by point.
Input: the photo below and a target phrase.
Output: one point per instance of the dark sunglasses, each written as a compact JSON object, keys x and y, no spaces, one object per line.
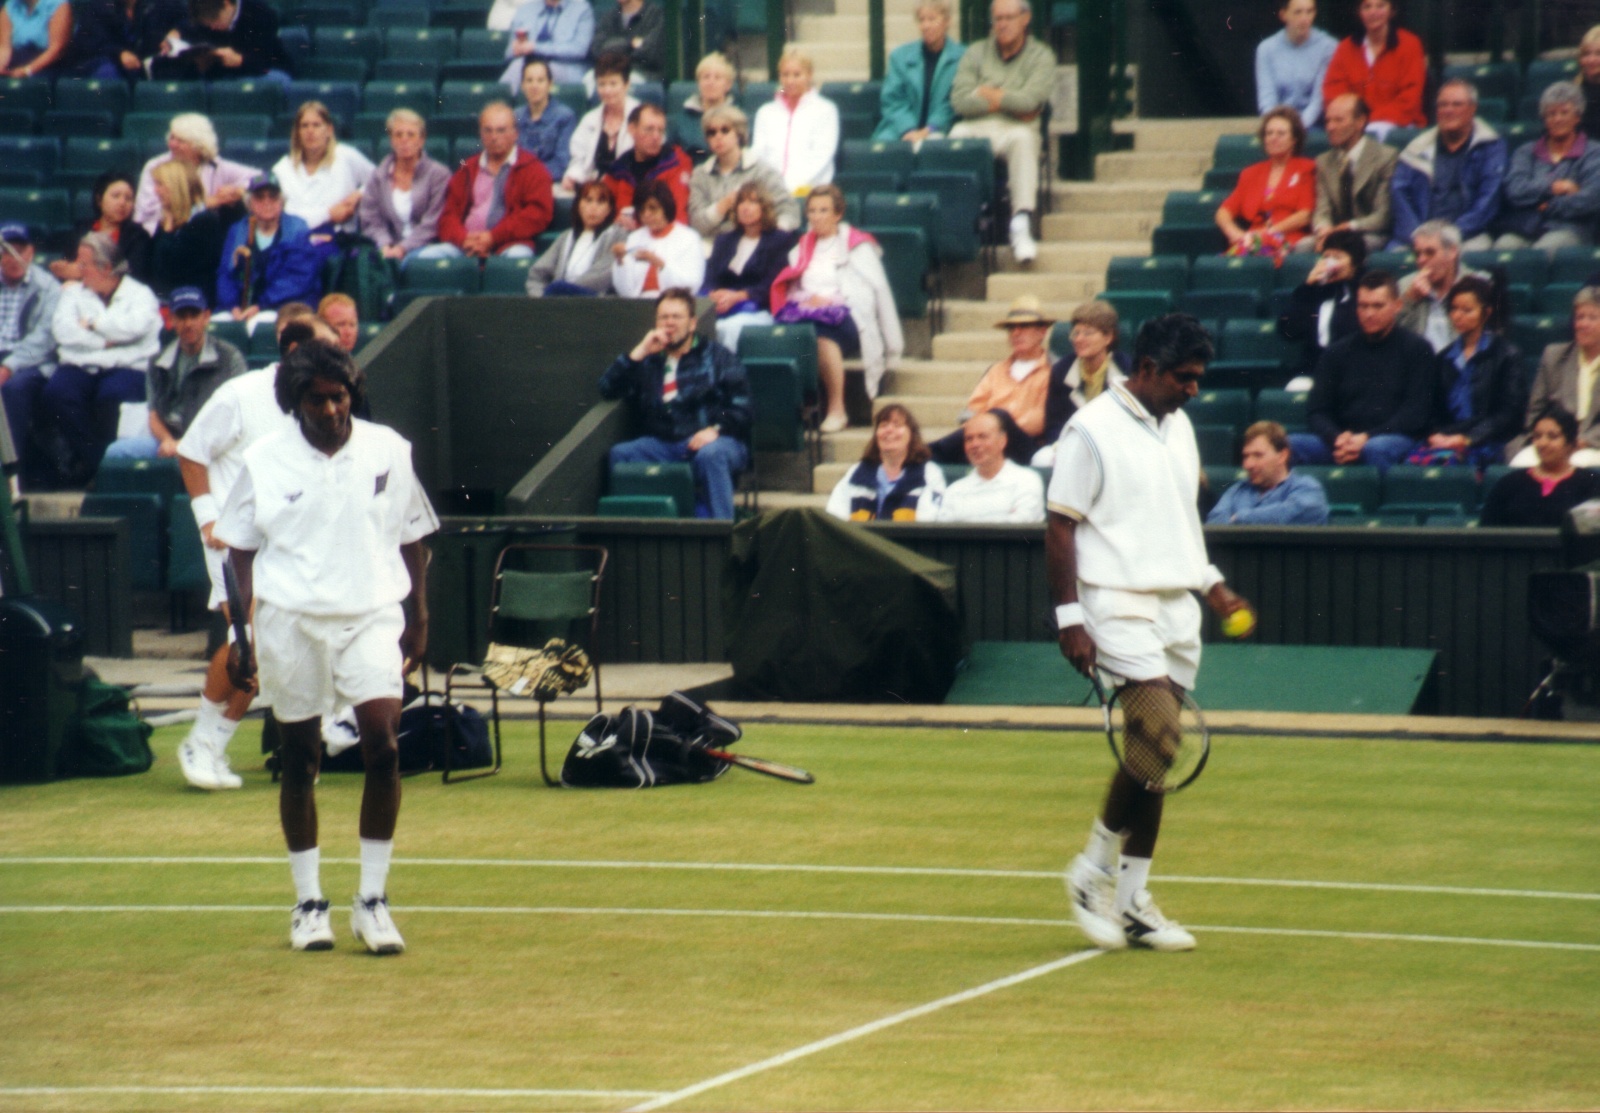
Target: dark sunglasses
{"x":718,"y":131}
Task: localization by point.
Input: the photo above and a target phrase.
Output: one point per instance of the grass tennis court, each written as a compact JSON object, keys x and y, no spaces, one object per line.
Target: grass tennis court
{"x":609,"y":950}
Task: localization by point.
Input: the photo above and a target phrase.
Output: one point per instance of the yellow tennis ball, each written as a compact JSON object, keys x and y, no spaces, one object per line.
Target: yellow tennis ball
{"x":1239,"y":623}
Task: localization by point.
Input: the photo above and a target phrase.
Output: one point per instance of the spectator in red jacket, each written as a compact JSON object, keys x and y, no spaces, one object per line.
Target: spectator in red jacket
{"x":1385,"y":67}
{"x":497,"y":201}
{"x":650,"y":160}
{"x":1270,"y":209}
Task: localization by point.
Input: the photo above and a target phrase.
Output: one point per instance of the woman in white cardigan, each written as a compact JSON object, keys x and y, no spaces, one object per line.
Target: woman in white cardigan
{"x":321,"y":180}
{"x":601,"y":136}
{"x":798,"y":131}
{"x":660,"y":253}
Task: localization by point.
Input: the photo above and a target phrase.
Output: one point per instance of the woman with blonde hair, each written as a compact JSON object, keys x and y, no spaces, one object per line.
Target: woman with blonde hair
{"x":401,"y":205}
{"x":797,"y":132}
{"x":743,"y":264}
{"x":187,"y":245}
{"x":192,"y":139}
{"x":321,"y":180}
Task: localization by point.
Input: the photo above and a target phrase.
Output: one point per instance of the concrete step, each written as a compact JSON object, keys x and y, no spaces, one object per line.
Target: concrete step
{"x":1184,"y":135}
{"x":840,"y":61}
{"x":1131,"y":224}
{"x":973,"y":316}
{"x":795,"y":500}
{"x":825,"y":477}
{"x":1103,"y":197}
{"x":931,"y":409}
{"x":1176,"y":168}
{"x":1004,"y":288}
{"x":1084,"y":256}
{"x":979,"y":349}
{"x":932,"y":377}
{"x":845,"y":26}
{"x":846,"y":448}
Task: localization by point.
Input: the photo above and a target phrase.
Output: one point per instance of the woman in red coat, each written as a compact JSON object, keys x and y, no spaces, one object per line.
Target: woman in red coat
{"x":1385,"y":67}
{"x":1270,"y":209}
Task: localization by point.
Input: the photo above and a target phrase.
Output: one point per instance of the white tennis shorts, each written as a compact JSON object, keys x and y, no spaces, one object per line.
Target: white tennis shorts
{"x":1144,"y":635}
{"x":312,"y":664}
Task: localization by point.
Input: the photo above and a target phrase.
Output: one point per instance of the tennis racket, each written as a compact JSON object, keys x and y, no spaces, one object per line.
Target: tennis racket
{"x":1156,"y":732}
{"x":762,"y":765}
{"x":240,"y":620}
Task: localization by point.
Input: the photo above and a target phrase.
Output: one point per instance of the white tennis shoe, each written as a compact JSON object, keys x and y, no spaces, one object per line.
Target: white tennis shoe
{"x":1147,"y":927}
{"x":222,"y":773}
{"x":370,"y":924}
{"x":1093,"y":893}
{"x":309,"y":928}
{"x":198,"y":764}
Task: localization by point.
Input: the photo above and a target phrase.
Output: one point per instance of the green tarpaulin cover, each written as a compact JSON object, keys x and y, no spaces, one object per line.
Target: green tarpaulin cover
{"x":822,"y":610}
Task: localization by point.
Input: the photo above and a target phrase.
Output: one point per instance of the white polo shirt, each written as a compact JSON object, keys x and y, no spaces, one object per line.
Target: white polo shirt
{"x":327,"y":530}
{"x":239,"y":412}
{"x":1015,"y":494}
{"x":1131,"y":483}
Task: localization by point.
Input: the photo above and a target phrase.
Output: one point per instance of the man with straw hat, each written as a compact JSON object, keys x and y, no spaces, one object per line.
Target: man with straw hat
{"x":1016,"y":386}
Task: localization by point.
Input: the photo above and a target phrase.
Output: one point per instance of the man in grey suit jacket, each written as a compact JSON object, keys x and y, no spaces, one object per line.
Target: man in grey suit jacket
{"x":1360,"y":203}
{"x":1569,"y":375}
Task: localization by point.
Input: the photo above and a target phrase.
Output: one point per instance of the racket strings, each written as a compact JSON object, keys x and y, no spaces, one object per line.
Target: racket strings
{"x":1152,"y":731}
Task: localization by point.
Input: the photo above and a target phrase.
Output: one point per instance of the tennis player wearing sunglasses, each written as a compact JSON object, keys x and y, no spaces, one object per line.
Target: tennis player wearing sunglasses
{"x":1126,"y":554}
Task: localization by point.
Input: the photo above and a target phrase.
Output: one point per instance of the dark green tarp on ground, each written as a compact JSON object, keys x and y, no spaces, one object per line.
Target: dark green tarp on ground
{"x":821,"y":610}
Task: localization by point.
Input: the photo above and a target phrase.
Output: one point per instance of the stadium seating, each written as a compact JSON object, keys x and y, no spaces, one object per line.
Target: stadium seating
{"x":878,"y":156}
{"x":675,"y":481}
{"x":1168,"y":274}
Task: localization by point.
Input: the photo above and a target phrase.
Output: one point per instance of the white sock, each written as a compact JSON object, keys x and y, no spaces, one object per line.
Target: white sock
{"x":222,"y":728}
{"x":375,"y":855}
{"x":1104,"y":846}
{"x":305,"y":866}
{"x":1131,"y":879}
{"x":1022,"y":222}
{"x":206,"y":719}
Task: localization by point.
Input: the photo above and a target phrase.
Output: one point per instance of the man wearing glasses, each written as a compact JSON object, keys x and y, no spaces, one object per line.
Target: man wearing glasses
{"x":1126,"y":554}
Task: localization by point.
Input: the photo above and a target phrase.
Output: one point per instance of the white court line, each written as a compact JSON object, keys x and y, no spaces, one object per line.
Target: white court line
{"x":777,"y":914}
{"x":356,"y":1091}
{"x":863,"y":1030}
{"x":773,"y":867}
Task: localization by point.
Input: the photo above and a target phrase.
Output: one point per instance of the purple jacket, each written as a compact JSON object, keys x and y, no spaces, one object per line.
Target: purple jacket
{"x":379,"y":221}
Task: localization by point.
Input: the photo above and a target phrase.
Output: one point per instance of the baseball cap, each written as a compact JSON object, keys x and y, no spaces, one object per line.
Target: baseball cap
{"x":15,"y":232}
{"x":265,"y":181}
{"x":188,"y":297}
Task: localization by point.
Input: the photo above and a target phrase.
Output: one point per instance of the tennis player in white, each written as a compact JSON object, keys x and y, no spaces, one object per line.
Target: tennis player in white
{"x":1126,"y":554}
{"x":210,"y":456}
{"x":325,"y":527}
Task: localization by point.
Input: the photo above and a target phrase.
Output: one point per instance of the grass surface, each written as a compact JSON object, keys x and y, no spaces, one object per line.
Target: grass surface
{"x":532,"y":968}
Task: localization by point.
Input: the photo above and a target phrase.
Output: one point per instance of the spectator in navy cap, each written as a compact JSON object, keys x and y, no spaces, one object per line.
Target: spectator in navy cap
{"x":181,"y":378}
{"x":269,"y":258}
{"x":28,"y":295}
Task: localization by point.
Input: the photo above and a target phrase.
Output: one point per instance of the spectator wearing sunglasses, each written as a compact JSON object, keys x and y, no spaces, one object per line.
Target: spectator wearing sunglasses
{"x":714,"y":186}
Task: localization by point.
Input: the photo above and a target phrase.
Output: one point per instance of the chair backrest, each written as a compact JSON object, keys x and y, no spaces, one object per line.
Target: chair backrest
{"x":548,"y":595}
{"x":543,"y":596}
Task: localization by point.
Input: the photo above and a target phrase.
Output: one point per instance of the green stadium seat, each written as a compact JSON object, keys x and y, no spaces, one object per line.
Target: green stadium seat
{"x":905,"y":210}
{"x":429,"y":44}
{"x":1219,"y":477}
{"x":29,"y":93}
{"x":236,"y":333}
{"x":1544,"y":73}
{"x":171,"y":97}
{"x":399,"y":15}
{"x":101,"y":125}
{"x":1411,"y":484}
{"x":1574,"y":264}
{"x":750,"y":17}
{"x":263,"y":344}
{"x":1294,"y":270}
{"x":1351,"y":485}
{"x":417,"y":71}
{"x":1554,"y":300}
{"x":83,"y":160}
{"x":1447,"y":519}
{"x":186,"y":557}
{"x":342,"y":98}
{"x":383,"y":97}
{"x":858,"y":97}
{"x":160,"y":477}
{"x":1494,"y":110}
{"x":438,"y":148}
{"x":1217,"y":444}
{"x":478,"y":44}
{"x":1396,"y":263}
{"x":676,"y":481}
{"x":234,"y":127}
{"x":1216,"y":272}
{"x":505,"y":276}
{"x":907,"y":259}
{"x":1528,"y":266}
{"x":369,"y":333}
{"x":1257,"y":340}
{"x":777,"y":398}
{"x":442,"y":276}
{"x":972,"y":156}
{"x":1168,"y":274}
{"x":878,"y":156}
{"x":18,"y":121}
{"x":92,"y":94}
{"x":1190,"y":240}
{"x":1235,"y":152}
{"x":461,"y":14}
{"x":1219,"y":181}
{"x":1220,"y":407}
{"x":1399,"y":137}
{"x":1190,"y":206}
{"x":332,"y":68}
{"x":260,"y":153}
{"x":859,"y":183}
{"x":678,"y":94}
{"x":248,"y":97}
{"x":489,"y":72}
{"x":363,"y":43}
{"x":1532,"y":335}
{"x":636,"y":506}
{"x":1134,"y":308}
{"x":796,"y":344}
{"x":38,"y":154}
{"x":959,"y":206}
{"x":467,"y":98}
{"x":573,"y":96}
{"x":1492,"y":79}
{"x":754,"y":94}
{"x":149,"y":130}
{"x":1286,"y":407}
{"x":1223,"y":304}
{"x":145,"y":514}
{"x":1243,"y":374}
{"x":43,"y":210}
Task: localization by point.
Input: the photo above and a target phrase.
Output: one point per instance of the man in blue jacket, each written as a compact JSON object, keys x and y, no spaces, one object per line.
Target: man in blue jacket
{"x":269,"y":258}
{"x":691,"y":397}
{"x":916,"y":90}
{"x":1452,"y":172}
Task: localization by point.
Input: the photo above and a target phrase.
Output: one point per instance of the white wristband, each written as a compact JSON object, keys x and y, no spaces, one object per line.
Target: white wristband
{"x":205,"y":509}
{"x":1069,"y":614}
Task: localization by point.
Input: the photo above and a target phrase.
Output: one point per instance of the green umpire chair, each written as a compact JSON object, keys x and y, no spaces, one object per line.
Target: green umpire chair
{"x":553,"y":593}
